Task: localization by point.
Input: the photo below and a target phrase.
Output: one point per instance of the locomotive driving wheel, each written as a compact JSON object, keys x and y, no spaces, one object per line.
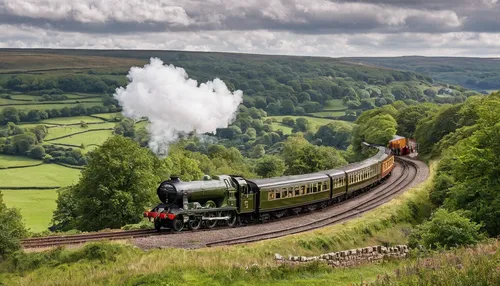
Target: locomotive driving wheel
{"x":177,"y":224}
{"x":194,"y":223}
{"x":211,"y":223}
{"x":233,"y":218}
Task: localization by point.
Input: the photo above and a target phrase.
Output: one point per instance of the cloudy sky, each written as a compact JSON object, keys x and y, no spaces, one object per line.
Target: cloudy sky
{"x":296,"y":27}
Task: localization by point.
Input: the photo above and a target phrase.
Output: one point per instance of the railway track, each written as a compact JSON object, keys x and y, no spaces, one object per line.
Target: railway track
{"x":50,"y":241}
{"x":381,"y":195}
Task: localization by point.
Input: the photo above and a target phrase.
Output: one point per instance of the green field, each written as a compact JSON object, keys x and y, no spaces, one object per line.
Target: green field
{"x":36,"y":206}
{"x":32,"y":125}
{"x":315,"y":122}
{"x":58,"y":131}
{"x":94,"y":137}
{"x":329,"y":113}
{"x":10,"y":161}
{"x":46,"y":175}
{"x":37,"y":105}
{"x":277,"y":126}
{"x":335,"y":104}
{"x":72,"y":120}
{"x":107,"y":115}
{"x":141,"y":124}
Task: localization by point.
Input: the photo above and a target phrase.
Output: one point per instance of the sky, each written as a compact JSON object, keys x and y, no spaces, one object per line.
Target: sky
{"x":292,"y":27}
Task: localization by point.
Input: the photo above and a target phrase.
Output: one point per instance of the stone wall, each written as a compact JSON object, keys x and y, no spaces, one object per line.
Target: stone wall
{"x":347,"y":258}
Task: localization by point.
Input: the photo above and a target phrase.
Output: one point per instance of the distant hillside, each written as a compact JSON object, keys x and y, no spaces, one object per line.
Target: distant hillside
{"x":280,"y":85}
{"x":474,"y":73}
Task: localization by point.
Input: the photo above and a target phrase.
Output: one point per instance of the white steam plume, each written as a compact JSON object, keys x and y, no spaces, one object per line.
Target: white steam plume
{"x":174,"y":103}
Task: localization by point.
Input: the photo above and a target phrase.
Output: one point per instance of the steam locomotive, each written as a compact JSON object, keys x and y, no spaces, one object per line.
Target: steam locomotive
{"x":230,"y":200}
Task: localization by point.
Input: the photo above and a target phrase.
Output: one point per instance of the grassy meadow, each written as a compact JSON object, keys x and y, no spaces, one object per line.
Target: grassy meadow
{"x":72,"y":120}
{"x":314,"y":122}
{"x":36,"y":206}
{"x":14,"y":161}
{"x":88,"y":138}
{"x":51,"y":105}
{"x":45,"y":175}
{"x":64,"y":130}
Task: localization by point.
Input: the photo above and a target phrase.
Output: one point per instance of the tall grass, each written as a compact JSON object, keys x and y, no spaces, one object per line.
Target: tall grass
{"x":465,"y":266}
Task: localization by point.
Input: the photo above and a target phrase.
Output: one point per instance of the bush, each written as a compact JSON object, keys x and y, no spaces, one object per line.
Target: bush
{"x":445,"y":229}
{"x":11,"y":229}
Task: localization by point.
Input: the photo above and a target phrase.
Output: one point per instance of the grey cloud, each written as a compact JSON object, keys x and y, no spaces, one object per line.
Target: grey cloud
{"x":298,"y":16}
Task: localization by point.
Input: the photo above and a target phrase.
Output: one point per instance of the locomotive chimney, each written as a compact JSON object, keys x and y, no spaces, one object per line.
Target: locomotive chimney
{"x":175,"y":179}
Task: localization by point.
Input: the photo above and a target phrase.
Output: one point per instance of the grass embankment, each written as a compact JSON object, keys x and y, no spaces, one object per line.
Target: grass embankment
{"x":241,"y":265}
{"x":36,"y":206}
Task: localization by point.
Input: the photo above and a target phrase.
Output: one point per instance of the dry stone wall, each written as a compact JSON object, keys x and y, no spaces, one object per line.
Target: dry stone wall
{"x":347,"y":258}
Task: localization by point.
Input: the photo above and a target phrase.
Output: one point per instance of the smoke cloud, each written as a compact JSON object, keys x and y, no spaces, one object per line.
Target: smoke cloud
{"x":176,"y":104}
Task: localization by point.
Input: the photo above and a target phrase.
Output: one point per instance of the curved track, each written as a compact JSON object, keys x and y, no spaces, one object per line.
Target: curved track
{"x":401,"y":179}
{"x":50,"y":241}
{"x":404,"y":180}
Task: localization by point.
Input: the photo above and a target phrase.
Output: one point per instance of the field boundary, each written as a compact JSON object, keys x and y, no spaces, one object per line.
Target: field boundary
{"x":77,"y":133}
{"x":29,"y":188}
{"x":22,"y":166}
{"x":70,"y":166}
{"x":72,"y":124}
{"x":49,"y":103}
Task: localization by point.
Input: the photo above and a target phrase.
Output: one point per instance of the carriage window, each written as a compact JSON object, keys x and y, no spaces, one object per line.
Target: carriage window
{"x":315,"y":188}
{"x":284,"y":193}
{"x":271,"y":195}
{"x":325,"y":186}
{"x":277,"y":195}
{"x":302,"y":190}
{"x":309,"y":188}
{"x":297,"y":191}
{"x":320,"y":187}
{"x":290,"y":192}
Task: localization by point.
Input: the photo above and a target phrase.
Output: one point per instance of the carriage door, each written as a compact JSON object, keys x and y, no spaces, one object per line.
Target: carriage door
{"x":246,"y":198}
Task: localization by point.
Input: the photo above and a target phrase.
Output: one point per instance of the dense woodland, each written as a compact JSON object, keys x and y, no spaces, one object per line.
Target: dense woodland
{"x":480,"y":74}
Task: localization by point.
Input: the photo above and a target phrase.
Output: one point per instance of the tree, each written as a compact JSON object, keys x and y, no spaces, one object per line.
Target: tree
{"x":37,"y":152}
{"x":287,"y":107}
{"x":257,"y":151}
{"x":288,"y":121}
{"x":40,"y":132}
{"x":378,"y":129}
{"x":336,"y":134}
{"x":116,"y":186}
{"x":11,"y":229}
{"x":270,"y":166}
{"x":23,"y":142}
{"x":9,"y":114}
{"x":302,"y":157}
{"x":445,"y":229}
{"x":408,"y":118}
{"x":301,"y":125}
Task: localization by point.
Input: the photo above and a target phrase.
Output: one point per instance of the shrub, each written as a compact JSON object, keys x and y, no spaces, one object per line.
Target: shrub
{"x":445,"y":229}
